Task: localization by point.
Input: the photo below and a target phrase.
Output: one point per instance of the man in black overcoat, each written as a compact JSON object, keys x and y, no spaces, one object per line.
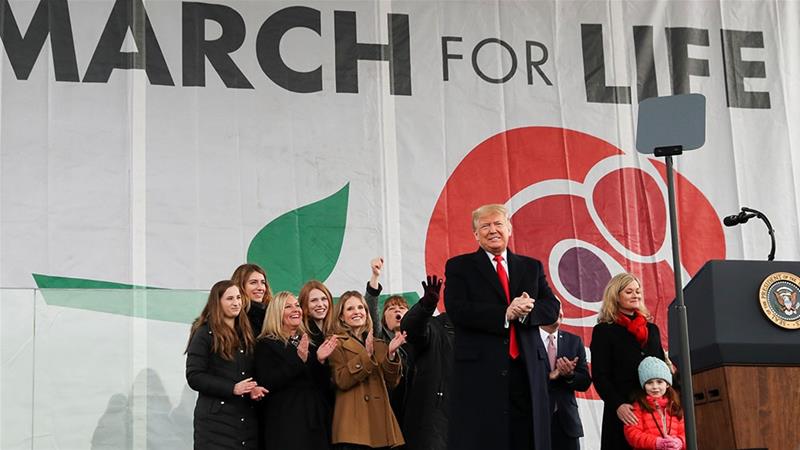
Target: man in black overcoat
{"x":499,"y":387}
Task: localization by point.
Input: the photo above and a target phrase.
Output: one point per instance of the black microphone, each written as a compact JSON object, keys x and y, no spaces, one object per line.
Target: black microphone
{"x":736,"y":219}
{"x":747,"y":214}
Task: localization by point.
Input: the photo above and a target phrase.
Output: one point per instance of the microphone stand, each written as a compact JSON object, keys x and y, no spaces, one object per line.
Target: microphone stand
{"x":770,"y":230}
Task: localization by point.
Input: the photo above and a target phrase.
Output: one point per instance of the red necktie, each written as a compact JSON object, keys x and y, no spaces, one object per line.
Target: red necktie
{"x":513,"y":348}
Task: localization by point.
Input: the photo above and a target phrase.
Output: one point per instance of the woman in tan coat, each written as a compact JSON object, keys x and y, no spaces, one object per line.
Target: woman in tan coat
{"x":363,"y":370}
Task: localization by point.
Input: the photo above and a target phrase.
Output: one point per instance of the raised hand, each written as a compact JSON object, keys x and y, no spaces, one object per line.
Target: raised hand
{"x":302,"y":348}
{"x":370,"y":343}
{"x":398,"y":340}
{"x":431,"y":289}
{"x":376,"y":264}
{"x":244,"y":386}
{"x":326,"y":348}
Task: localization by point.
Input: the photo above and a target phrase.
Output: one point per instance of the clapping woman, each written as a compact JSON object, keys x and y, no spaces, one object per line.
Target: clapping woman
{"x":290,"y":367}
{"x":363,"y":370}
{"x":317,"y":304}
{"x":219,"y":364}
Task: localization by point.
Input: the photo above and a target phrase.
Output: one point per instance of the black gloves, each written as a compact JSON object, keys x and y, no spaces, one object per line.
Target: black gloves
{"x":430,"y":297}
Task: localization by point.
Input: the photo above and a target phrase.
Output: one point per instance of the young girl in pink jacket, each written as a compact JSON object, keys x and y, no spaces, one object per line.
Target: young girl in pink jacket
{"x":659,"y":416}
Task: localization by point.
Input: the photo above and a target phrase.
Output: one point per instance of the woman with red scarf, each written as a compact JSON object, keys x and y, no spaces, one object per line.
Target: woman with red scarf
{"x":622,"y":338}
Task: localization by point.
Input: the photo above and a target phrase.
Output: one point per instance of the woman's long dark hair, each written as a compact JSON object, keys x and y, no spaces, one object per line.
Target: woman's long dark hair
{"x":225,"y":340}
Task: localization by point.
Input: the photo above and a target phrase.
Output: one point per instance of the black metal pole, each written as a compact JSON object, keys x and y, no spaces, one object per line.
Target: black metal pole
{"x":685,"y":368}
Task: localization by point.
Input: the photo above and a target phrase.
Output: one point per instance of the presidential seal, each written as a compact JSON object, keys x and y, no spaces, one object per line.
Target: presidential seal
{"x":780,"y":300}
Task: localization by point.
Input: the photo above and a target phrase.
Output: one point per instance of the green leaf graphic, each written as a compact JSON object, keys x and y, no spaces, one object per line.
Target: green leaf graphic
{"x":53,"y":282}
{"x":303,"y":244}
{"x":122,"y":299}
{"x":136,"y":301}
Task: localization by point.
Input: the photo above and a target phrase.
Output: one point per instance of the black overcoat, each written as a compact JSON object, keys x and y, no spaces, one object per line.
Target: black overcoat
{"x":325,"y":380}
{"x":294,"y":414}
{"x":615,"y":371}
{"x":431,"y":342}
{"x":221,"y":420}
{"x":476,"y":304}
{"x":256,"y":315}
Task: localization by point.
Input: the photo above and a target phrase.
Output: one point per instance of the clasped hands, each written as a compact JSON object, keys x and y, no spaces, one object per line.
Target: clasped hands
{"x":628,"y":417}
{"x":520,"y":307}
{"x":565,"y":367}
{"x":249,"y":386}
{"x":669,"y":443}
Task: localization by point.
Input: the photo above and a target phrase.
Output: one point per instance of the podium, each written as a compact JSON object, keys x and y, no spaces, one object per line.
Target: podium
{"x":745,"y":368}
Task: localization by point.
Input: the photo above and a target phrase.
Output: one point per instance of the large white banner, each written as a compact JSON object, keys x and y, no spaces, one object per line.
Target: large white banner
{"x":162,"y":143}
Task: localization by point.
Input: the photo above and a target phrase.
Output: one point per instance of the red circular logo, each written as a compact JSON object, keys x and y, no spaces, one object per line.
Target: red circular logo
{"x":583,"y":207}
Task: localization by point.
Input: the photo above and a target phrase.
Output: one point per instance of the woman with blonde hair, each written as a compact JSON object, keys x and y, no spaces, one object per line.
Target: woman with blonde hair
{"x":295,"y":415}
{"x":622,"y":338}
{"x":219,"y":365}
{"x":363,"y":370}
{"x":256,"y":293}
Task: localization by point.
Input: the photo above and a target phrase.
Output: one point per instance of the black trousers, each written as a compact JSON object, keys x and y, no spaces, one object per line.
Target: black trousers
{"x":559,"y":439}
{"x":520,"y":408}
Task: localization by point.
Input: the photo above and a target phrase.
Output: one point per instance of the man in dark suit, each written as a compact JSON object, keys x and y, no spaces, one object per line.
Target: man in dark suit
{"x":566,"y":362}
{"x":496,"y":300}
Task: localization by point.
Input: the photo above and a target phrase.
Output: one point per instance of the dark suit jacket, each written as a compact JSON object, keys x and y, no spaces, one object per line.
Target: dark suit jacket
{"x":562,"y":390}
{"x":476,"y":304}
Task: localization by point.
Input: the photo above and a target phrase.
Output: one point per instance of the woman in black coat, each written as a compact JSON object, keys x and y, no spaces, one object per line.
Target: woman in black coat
{"x":317,"y":303}
{"x":256,"y":293}
{"x":430,"y":339}
{"x":295,"y":414}
{"x":622,"y":338}
{"x":219,"y":364}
